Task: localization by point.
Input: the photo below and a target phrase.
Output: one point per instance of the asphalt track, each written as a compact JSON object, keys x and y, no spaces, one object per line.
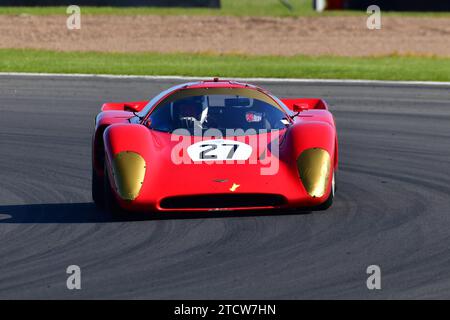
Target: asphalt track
{"x":392,"y":208}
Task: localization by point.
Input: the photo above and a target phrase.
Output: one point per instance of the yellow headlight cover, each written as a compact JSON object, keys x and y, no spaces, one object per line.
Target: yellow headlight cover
{"x":129,"y":172}
{"x":314,"y":167}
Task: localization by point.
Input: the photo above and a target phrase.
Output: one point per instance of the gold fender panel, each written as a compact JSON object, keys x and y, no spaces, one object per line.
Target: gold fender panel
{"x":129,"y":172}
{"x":314,"y":167}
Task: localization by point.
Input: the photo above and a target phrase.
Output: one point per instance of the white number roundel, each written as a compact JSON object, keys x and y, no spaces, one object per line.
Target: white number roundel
{"x":219,"y":150}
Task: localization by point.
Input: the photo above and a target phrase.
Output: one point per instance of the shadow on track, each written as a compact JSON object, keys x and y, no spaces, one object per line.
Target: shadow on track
{"x":88,"y":213}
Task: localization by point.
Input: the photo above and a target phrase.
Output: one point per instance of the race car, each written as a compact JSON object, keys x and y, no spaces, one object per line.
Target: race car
{"x":215,"y":145}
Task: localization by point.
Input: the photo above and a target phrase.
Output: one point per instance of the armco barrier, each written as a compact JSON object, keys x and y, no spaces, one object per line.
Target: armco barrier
{"x":385,"y":5}
{"x":113,"y":3}
{"x":401,"y":5}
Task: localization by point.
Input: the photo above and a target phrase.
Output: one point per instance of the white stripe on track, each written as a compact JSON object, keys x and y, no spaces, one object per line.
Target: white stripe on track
{"x":272,"y":80}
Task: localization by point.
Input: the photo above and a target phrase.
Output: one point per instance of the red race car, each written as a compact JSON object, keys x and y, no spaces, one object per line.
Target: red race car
{"x":214,"y":145}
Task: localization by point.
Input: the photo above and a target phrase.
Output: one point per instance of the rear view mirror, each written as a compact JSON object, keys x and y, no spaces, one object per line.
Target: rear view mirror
{"x":237,"y":102}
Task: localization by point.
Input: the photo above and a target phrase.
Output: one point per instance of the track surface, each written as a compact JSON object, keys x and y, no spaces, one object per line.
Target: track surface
{"x":392,"y":207}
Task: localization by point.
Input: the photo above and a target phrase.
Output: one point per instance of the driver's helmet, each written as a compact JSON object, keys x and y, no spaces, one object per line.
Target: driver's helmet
{"x":189,"y":107}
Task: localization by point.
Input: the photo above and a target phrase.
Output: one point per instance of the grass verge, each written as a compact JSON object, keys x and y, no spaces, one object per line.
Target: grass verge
{"x":324,"y":67}
{"x":229,"y":8}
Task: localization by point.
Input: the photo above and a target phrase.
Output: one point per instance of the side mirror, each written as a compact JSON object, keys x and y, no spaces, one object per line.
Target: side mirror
{"x":299,"y":107}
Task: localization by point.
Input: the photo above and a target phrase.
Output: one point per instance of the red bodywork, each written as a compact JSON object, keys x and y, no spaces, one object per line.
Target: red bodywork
{"x":202,"y":183}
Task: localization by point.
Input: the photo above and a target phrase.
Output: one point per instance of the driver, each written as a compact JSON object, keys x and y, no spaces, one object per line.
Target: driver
{"x":188,"y":109}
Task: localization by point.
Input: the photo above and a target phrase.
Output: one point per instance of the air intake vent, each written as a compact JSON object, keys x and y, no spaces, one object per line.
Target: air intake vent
{"x":222,"y":201}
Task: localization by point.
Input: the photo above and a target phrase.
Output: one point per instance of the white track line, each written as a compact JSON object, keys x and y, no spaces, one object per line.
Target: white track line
{"x":273,"y":80}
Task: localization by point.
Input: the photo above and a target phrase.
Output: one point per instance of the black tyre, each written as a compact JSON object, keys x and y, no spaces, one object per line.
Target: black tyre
{"x":110,"y":201}
{"x":98,"y":195}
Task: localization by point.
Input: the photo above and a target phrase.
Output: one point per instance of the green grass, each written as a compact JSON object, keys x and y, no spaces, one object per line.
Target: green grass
{"x":229,"y":7}
{"x":376,"y":68}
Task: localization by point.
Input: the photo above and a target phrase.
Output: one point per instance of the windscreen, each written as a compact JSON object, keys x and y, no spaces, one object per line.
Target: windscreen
{"x":223,"y":109}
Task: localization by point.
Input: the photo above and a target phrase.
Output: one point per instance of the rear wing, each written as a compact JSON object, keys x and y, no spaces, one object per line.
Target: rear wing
{"x":296,"y":104}
{"x":135,"y":106}
{"x":303,"y":104}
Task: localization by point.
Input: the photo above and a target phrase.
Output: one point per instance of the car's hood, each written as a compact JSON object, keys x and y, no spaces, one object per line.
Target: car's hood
{"x":172,"y":171}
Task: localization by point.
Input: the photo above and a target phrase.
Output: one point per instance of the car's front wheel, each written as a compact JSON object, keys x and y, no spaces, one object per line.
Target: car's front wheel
{"x":328,"y":203}
{"x":98,"y":194}
{"x":111,"y":204}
